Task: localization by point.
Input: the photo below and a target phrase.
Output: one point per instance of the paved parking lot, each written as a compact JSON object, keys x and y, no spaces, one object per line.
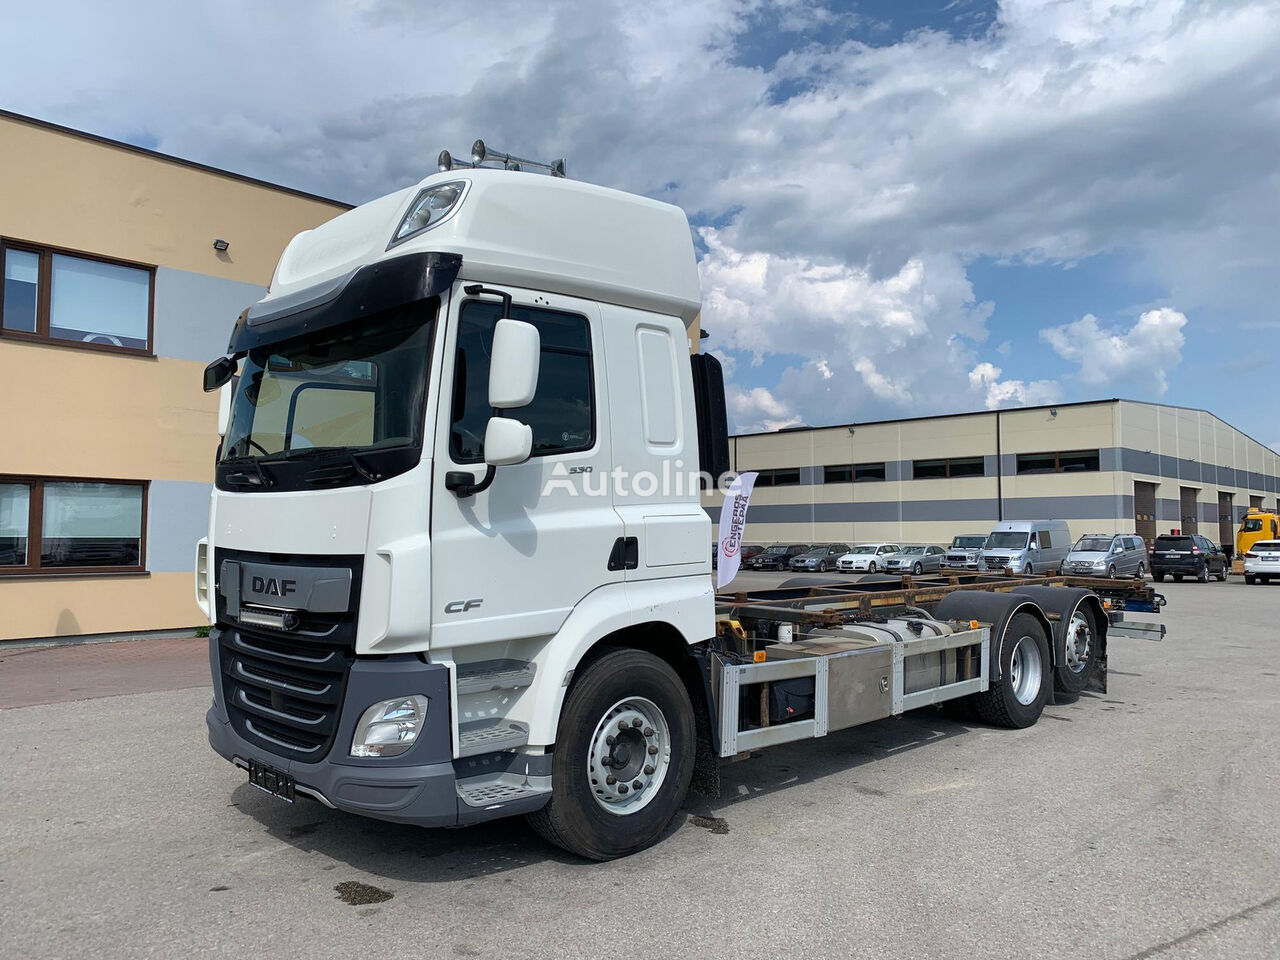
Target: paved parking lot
{"x":1138,"y":824}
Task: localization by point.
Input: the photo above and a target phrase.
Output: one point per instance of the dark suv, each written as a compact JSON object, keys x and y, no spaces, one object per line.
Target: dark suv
{"x":776,"y":557}
{"x":1187,"y":556}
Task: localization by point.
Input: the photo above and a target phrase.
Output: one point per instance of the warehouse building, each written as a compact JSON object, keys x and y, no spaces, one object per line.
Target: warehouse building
{"x":1105,"y":466}
{"x":123,"y":270}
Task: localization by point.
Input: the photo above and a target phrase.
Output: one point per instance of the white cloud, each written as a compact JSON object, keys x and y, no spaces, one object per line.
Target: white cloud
{"x":757,"y":410}
{"x":1133,"y":362}
{"x":1007,"y":393}
{"x":846,"y":213}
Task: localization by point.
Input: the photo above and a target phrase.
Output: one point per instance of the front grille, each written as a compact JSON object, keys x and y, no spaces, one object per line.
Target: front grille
{"x":283,"y":690}
{"x":957,"y":558}
{"x":996,"y":563}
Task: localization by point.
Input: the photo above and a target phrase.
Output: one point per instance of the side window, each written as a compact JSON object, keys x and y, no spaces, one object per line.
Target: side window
{"x":562,"y":413}
{"x":1046,"y":542}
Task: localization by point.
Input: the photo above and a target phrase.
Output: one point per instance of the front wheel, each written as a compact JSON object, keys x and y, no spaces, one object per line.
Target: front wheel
{"x":1028,"y":571}
{"x":1222,"y":574}
{"x":918,"y":568}
{"x":623,"y":760}
{"x":822,"y":566}
{"x":1203,"y":574}
{"x":1111,"y":572}
{"x":871,"y":567}
{"x":1142,"y":570}
{"x":1018,"y":697}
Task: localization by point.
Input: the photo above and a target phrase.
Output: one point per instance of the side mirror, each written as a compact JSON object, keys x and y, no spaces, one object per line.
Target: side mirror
{"x":219,"y":372}
{"x":507,"y":441}
{"x":224,"y":409}
{"x":513,"y":366}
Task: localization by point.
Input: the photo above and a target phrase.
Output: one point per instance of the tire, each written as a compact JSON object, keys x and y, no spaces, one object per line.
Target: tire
{"x":1158,"y":577}
{"x":1202,"y":575}
{"x":1016,"y":700}
{"x":1222,"y":576}
{"x":918,"y":568}
{"x":1080,"y":651}
{"x":1177,"y":578}
{"x":871,"y":567}
{"x":822,"y":566}
{"x":1142,"y":571}
{"x":1028,"y":571}
{"x":586,"y":817}
{"x":1111,"y":572}
{"x":1249,"y":578}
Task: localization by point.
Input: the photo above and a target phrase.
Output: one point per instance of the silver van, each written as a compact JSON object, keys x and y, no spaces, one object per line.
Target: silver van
{"x":1026,"y":546}
{"x":1107,"y":555}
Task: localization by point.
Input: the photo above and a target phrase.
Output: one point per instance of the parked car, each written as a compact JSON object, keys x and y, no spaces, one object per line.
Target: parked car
{"x":915,"y":559}
{"x":1187,"y":555}
{"x":1027,"y":546}
{"x":1107,"y":555}
{"x":746,"y":551}
{"x":964,"y":550}
{"x":821,"y":557}
{"x":1262,"y":561}
{"x":866,"y":557}
{"x":776,"y":557}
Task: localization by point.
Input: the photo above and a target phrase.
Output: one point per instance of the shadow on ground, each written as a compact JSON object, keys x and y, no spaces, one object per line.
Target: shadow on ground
{"x":418,"y":855}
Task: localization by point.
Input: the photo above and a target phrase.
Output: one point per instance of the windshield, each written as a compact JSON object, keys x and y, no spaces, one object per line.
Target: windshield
{"x":358,"y":387}
{"x":976,"y":541}
{"x":912,"y":550}
{"x":777,"y":550}
{"x":1251,"y":525}
{"x":1007,"y":540}
{"x":864,"y":548}
{"x":1093,"y":545}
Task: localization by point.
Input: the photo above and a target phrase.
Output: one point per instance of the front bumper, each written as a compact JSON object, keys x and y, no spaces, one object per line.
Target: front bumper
{"x":420,"y":787}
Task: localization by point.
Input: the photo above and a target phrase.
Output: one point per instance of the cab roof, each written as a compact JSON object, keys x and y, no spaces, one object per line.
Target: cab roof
{"x":521,"y":229}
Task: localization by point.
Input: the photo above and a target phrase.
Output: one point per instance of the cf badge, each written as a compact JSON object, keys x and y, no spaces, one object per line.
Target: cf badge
{"x":462,"y":606}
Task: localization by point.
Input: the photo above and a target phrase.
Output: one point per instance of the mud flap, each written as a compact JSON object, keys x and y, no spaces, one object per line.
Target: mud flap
{"x":1098,"y":682}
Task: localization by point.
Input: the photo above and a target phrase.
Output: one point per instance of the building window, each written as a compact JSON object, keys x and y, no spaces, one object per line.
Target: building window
{"x":1066,"y":461}
{"x":562,"y":413}
{"x":948,"y":467}
{"x":837,"y":474}
{"x":57,"y":526}
{"x":71,"y":299}
{"x":778,"y":477}
{"x":868,"y":471}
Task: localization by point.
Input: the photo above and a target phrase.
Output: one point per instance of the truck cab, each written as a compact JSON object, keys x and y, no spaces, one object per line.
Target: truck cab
{"x":417,"y":529}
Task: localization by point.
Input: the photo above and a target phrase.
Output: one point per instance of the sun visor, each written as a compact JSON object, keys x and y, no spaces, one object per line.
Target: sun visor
{"x":364,"y":292}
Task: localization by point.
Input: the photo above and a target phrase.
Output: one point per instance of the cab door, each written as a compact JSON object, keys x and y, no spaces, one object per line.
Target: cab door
{"x":512,"y":561}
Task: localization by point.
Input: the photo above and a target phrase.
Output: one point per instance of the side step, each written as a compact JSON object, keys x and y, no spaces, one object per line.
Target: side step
{"x":502,"y":788}
{"x":487,"y":736}
{"x":489,"y":675}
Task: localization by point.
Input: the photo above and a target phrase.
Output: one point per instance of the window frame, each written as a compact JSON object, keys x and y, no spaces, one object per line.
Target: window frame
{"x":884,"y":471}
{"x":771,"y":473}
{"x":35,"y":528}
{"x":593,"y":440}
{"x":44,"y":298}
{"x":1057,"y":461}
{"x":946,"y":468}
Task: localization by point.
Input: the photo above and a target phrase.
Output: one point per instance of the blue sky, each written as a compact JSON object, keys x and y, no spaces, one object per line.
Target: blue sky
{"x":902,"y":208}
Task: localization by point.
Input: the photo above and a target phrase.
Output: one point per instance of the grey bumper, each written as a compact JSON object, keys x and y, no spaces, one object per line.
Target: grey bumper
{"x":420,"y":787}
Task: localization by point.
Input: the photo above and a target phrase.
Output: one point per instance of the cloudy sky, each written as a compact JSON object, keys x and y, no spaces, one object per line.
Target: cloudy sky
{"x":902,"y":207}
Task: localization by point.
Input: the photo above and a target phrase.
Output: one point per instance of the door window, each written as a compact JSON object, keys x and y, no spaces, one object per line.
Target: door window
{"x":562,"y":413}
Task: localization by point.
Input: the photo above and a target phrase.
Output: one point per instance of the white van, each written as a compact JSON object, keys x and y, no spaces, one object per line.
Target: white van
{"x":1026,"y":546}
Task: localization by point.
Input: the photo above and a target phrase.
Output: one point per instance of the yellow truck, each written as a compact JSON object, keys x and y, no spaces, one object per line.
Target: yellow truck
{"x":1256,"y":525}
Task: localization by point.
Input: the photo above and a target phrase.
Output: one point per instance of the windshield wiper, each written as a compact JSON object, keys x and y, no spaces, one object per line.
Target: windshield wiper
{"x":319,"y":475}
{"x":260,"y":476}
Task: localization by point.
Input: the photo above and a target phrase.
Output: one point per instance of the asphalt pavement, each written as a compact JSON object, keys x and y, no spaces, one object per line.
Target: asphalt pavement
{"x":1137,"y":824}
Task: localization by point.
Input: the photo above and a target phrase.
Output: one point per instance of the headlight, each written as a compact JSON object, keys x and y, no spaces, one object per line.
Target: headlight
{"x":428,"y":208}
{"x":389,"y":728}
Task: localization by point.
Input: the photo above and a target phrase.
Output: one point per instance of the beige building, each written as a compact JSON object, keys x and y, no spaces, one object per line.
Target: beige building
{"x":123,"y":270}
{"x":1105,"y":466}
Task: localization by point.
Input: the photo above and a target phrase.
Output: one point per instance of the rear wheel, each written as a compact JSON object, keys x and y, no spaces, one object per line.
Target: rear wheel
{"x":1158,"y":577}
{"x":1249,"y":578}
{"x":624,"y":757}
{"x":1177,"y":578}
{"x":1018,"y":697}
{"x":1079,"y":651}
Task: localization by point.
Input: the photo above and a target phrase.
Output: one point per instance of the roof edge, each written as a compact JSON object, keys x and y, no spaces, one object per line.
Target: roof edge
{"x":168,"y":158}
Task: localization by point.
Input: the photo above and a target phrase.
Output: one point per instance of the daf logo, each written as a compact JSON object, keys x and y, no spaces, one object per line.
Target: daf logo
{"x":462,"y":606}
{"x":271,"y":587}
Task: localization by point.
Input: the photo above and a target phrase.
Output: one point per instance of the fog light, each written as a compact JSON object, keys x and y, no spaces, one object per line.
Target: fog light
{"x":389,"y":728}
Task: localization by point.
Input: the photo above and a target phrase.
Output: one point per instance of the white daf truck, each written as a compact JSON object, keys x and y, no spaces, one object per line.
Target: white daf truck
{"x":456,"y":562}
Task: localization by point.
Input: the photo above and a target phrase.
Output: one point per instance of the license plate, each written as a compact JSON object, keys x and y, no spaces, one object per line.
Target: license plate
{"x":1266,"y":559}
{"x":271,"y":780}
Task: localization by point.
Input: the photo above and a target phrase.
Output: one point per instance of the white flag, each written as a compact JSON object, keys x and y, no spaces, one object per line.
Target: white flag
{"x":733,"y":519}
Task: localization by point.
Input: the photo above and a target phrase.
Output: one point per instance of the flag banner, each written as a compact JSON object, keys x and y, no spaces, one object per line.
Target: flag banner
{"x":733,"y":520}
